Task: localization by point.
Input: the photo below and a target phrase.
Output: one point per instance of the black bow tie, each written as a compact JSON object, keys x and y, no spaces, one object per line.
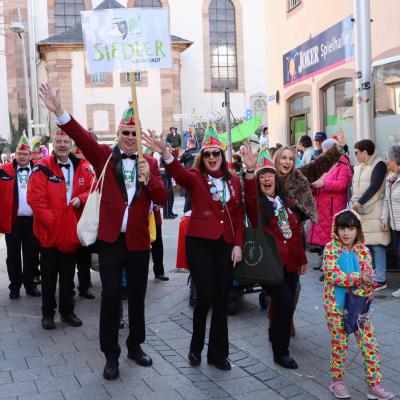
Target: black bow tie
{"x":23,"y":169}
{"x":61,"y":165}
{"x":125,"y":156}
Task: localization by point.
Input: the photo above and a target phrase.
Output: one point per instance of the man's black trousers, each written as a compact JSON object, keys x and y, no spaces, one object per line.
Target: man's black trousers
{"x":20,"y":271}
{"x":55,"y":264}
{"x":113,"y":258}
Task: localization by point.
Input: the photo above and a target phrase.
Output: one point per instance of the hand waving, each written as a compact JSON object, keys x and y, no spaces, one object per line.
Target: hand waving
{"x":51,"y":101}
{"x":151,"y":140}
{"x":249,"y":157}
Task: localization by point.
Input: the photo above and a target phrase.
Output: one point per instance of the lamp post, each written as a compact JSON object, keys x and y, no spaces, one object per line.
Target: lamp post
{"x":18,"y":27}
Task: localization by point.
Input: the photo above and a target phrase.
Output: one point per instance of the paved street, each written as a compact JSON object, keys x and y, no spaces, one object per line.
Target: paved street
{"x":66,"y":363}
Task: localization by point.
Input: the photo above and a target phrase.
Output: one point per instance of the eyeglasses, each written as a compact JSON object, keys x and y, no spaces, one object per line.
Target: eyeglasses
{"x":127,"y":133}
{"x":214,"y":153}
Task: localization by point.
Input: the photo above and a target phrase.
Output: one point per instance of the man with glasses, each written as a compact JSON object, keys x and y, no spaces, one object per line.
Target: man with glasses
{"x":123,"y":234}
{"x":16,"y":220}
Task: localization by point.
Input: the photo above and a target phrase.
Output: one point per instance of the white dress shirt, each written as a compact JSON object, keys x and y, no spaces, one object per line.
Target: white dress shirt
{"x":24,"y":209}
{"x":65,"y":172}
{"x":128,"y":165}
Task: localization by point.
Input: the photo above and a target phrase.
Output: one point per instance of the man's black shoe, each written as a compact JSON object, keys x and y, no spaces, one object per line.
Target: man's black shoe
{"x":322,"y":278}
{"x":161,"y":277}
{"x":111,"y":370}
{"x":194,"y":359}
{"x":87,"y":294}
{"x":71,"y":319}
{"x":33,"y":291}
{"x":169,"y":217}
{"x":286,"y":362}
{"x":14,"y":294}
{"x":140,"y":357}
{"x":221,"y":363}
{"x":37,"y":280}
{"x":173,"y":215}
{"x":48,"y":322}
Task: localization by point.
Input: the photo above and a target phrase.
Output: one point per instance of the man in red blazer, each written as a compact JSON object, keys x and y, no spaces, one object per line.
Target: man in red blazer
{"x":58,"y":182}
{"x":123,"y":235}
{"x":16,"y":220}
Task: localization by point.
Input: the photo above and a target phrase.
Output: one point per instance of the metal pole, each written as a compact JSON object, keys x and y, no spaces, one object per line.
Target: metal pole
{"x":33,"y":64}
{"x":228,"y":126}
{"x":363,"y":70}
{"x":27,"y":95}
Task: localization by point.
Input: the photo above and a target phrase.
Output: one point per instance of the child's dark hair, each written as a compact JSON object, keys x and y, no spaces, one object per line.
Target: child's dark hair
{"x":347,"y":219}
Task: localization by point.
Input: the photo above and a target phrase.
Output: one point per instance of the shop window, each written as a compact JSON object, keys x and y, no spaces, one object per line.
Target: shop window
{"x":99,"y":78}
{"x":339,"y":103}
{"x":67,"y":13}
{"x":223,"y":51}
{"x":299,"y":104}
{"x":387,"y":89}
{"x":148,"y":3}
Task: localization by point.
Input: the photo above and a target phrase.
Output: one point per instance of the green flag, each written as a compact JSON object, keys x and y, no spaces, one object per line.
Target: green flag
{"x":243,"y":131}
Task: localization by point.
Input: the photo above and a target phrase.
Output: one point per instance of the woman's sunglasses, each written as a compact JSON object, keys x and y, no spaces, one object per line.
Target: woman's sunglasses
{"x":127,"y":133}
{"x":208,"y":154}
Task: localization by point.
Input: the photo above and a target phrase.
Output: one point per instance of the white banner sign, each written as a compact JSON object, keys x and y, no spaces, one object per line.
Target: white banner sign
{"x":126,"y":39}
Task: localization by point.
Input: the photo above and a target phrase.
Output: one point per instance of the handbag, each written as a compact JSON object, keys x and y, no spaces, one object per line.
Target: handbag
{"x":88,"y":224}
{"x":355,"y":308}
{"x":260,"y":262}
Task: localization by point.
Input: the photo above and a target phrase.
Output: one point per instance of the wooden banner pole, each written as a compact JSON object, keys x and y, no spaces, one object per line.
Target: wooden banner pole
{"x":138,"y":125}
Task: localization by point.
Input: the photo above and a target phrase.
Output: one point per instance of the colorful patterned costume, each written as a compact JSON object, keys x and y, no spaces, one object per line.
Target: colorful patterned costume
{"x":336,"y":259}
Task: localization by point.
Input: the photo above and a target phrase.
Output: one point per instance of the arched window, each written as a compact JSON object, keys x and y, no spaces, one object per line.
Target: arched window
{"x":67,"y":13}
{"x":339,"y":103}
{"x":223,"y":51}
{"x":148,"y":3}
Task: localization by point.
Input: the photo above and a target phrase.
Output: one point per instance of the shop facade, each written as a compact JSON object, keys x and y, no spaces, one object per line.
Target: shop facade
{"x":311,"y":71}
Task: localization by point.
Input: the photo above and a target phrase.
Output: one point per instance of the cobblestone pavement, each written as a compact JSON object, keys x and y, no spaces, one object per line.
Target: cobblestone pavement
{"x":66,"y":363}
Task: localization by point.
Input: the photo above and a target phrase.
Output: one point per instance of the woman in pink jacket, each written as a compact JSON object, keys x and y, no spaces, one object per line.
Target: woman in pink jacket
{"x":330,"y":194}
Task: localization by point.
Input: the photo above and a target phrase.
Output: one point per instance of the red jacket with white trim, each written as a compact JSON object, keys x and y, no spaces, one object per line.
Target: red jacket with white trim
{"x":47,"y":195}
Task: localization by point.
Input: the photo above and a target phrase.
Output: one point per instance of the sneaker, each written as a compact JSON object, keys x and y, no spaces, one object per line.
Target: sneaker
{"x":377,"y":392}
{"x":339,"y":389}
{"x":396,"y":293}
{"x":379,"y":286}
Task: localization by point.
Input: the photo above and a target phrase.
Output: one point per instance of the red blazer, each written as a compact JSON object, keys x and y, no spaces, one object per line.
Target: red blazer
{"x":47,"y":195}
{"x":291,"y":250}
{"x":8,"y":196}
{"x":209,"y":218}
{"x":115,"y":199}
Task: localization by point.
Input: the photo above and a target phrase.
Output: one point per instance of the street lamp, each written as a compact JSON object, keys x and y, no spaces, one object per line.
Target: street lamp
{"x":18,"y":27}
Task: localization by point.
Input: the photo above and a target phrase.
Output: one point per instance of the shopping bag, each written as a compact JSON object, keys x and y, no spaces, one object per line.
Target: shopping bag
{"x":355,"y":307}
{"x":260,"y":262}
{"x":88,"y":224}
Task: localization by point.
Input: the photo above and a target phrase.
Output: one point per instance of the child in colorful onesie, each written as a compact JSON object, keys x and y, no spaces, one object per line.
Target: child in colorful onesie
{"x":347,"y":265}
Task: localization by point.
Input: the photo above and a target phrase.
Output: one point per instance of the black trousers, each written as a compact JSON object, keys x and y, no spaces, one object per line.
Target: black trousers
{"x":56,"y":264}
{"x":211,"y":269}
{"x":113,"y":258}
{"x":83,"y":259}
{"x":282,"y":303}
{"x":20,"y":271}
{"x":157,"y":253}
{"x":167,"y":209}
{"x":36,"y":258}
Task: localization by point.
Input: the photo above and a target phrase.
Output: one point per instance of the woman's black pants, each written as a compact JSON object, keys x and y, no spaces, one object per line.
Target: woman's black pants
{"x":211,"y":268}
{"x":282,"y":304}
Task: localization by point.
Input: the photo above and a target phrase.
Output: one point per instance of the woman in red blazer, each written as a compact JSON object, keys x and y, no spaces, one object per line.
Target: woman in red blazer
{"x":264,"y":193}
{"x":213,"y":241}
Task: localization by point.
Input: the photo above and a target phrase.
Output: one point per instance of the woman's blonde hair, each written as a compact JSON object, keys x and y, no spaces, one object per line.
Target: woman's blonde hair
{"x":278,"y":156}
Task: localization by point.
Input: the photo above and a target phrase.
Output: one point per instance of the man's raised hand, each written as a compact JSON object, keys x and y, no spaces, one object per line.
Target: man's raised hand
{"x":50,"y":99}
